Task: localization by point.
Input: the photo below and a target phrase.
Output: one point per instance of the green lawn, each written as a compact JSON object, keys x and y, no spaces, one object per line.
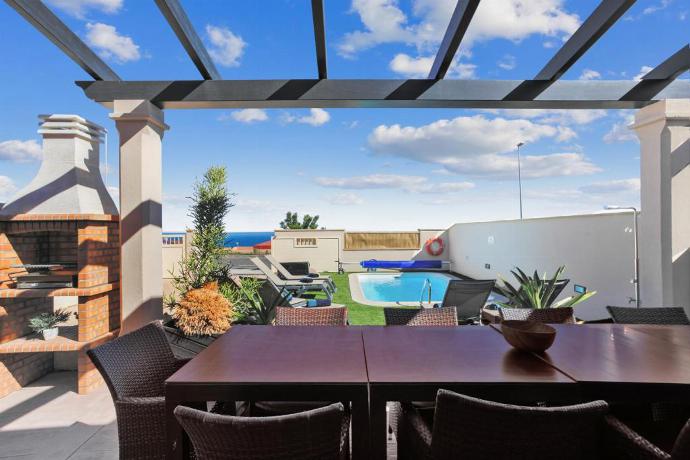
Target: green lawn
{"x":358,"y":314}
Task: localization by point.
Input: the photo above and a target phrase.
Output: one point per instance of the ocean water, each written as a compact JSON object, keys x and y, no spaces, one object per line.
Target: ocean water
{"x":234,"y":239}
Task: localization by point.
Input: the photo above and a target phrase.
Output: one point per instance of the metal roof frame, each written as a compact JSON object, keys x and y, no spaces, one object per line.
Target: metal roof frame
{"x":546,"y":90}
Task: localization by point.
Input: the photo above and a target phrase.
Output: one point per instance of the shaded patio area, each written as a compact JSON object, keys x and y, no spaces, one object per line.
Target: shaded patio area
{"x":47,"y":419}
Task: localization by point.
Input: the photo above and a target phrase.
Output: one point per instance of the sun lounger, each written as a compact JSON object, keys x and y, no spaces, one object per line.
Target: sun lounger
{"x":284,"y":273}
{"x":305,"y":284}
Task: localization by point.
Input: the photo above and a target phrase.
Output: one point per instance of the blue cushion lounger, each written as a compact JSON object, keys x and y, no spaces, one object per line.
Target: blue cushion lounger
{"x":400,"y":264}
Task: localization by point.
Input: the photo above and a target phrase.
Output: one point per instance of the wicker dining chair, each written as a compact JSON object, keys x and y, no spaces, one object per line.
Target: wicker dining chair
{"x":662,"y":315}
{"x":135,"y":367}
{"x":314,"y":316}
{"x":468,"y":297}
{"x":624,"y":439}
{"x":319,"y":434}
{"x":445,"y":316}
{"x":560,"y":315}
{"x":467,"y":427}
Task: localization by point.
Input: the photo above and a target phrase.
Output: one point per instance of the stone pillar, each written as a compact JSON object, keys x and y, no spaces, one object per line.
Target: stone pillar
{"x":140,"y":127}
{"x":664,"y":132}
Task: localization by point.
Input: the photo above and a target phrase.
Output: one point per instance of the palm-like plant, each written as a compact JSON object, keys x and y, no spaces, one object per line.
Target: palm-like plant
{"x":536,"y":292}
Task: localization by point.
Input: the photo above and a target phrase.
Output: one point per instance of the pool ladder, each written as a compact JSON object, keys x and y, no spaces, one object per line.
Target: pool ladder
{"x":425,"y":287}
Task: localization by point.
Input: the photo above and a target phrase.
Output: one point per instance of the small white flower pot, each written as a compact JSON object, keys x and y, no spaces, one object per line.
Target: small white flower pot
{"x":49,"y":333}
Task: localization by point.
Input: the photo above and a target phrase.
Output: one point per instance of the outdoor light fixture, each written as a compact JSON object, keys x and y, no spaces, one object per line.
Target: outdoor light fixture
{"x":636,"y":279}
{"x":520,"y":144}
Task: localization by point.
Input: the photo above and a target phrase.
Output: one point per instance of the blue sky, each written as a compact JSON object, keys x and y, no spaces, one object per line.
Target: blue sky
{"x":374,"y":169}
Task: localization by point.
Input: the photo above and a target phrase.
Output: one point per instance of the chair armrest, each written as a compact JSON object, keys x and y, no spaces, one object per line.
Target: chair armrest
{"x":623,"y":442}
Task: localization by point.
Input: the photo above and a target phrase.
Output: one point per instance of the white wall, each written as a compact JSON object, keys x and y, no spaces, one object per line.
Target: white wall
{"x":596,"y":249}
{"x":330,"y":248}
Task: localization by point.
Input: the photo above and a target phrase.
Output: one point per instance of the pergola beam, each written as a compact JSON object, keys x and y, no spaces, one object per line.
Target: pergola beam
{"x":601,"y":19}
{"x":661,"y":76}
{"x":318,"y":18}
{"x":600,"y":94}
{"x":186,"y":34}
{"x":459,"y":21}
{"x":46,"y":22}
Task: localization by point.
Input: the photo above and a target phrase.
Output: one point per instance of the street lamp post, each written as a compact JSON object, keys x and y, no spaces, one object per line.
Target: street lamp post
{"x":636,"y":280}
{"x":520,"y":144}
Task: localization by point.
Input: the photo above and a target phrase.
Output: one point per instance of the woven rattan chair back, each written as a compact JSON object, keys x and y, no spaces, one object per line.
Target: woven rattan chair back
{"x":468,"y":297}
{"x":664,"y":315}
{"x":467,"y":427}
{"x":315,"y":316}
{"x":562,"y":315}
{"x":316,"y":434}
{"x":136,"y":364}
{"x":444,"y":316}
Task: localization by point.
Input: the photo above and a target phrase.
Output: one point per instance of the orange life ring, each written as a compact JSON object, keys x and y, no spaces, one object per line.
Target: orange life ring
{"x":434,"y":246}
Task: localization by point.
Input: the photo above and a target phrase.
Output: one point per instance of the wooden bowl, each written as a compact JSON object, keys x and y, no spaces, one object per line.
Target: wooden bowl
{"x":528,"y":335}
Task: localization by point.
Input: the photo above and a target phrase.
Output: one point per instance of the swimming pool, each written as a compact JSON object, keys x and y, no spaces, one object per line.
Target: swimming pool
{"x":398,"y":288}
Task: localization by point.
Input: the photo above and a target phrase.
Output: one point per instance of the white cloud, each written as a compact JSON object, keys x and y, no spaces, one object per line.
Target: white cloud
{"x":385,"y":22}
{"x":556,"y":116}
{"x":503,"y":166}
{"x":508,"y":62}
{"x":662,"y":5}
{"x":247,"y":115}
{"x":371,"y":181}
{"x":316,"y":117}
{"x":612,"y":186}
{"x":7,"y":188}
{"x":110,"y":44}
{"x":226,"y":48}
{"x":644,"y":70}
{"x":413,"y":184}
{"x":620,"y":131}
{"x":18,"y":151}
{"x":79,"y":8}
{"x":589,"y":74}
{"x":345,"y":199}
{"x":446,"y":141}
{"x":419,"y":67}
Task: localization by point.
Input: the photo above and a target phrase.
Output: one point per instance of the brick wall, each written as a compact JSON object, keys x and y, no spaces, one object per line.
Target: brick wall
{"x":17,"y":370}
{"x":94,"y":246}
{"x":15,"y":314}
{"x":98,"y":253}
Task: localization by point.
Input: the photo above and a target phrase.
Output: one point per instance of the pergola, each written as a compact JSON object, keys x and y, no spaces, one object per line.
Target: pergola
{"x":663,"y":126}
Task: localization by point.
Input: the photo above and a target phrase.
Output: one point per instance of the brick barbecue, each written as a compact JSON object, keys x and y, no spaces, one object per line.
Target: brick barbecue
{"x":64,"y":216}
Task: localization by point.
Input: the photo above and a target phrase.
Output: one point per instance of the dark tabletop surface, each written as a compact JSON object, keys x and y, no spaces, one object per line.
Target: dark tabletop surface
{"x":398,"y":354}
{"x":622,"y":353}
{"x":269,"y":354}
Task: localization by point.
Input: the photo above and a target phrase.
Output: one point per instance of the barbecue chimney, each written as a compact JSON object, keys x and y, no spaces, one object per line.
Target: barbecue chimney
{"x":69,"y":180}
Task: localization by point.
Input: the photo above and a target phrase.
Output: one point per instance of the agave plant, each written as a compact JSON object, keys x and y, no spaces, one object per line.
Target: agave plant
{"x":537,"y":292}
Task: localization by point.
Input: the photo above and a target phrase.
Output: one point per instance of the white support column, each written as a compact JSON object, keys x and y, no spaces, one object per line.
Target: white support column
{"x":664,"y":132}
{"x":140,"y":126}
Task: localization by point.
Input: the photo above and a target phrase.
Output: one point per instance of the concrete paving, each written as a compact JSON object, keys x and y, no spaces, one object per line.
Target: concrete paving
{"x":48,"y":420}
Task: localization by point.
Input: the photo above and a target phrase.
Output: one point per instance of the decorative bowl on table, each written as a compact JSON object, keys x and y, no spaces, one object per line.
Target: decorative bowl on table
{"x":528,"y":335}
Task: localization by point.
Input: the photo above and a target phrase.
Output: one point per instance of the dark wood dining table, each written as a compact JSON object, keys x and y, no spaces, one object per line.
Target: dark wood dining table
{"x":370,"y":366}
{"x":624,"y":363}
{"x":413,"y":363}
{"x":266,"y":363}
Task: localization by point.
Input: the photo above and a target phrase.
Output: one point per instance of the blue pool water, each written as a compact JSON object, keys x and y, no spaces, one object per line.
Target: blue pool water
{"x":403,"y":287}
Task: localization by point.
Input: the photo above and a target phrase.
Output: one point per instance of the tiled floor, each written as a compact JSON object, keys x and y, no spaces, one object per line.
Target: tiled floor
{"x":48,"y":420}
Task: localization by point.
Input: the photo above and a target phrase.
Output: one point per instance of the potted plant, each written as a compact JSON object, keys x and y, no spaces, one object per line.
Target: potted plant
{"x":47,"y":323}
{"x":537,"y":292}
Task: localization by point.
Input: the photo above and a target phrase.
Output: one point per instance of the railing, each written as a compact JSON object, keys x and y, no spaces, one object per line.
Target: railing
{"x":425,"y":286}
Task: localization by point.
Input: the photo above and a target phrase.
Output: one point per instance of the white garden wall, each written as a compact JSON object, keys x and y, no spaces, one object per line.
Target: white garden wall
{"x":597,"y":250}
